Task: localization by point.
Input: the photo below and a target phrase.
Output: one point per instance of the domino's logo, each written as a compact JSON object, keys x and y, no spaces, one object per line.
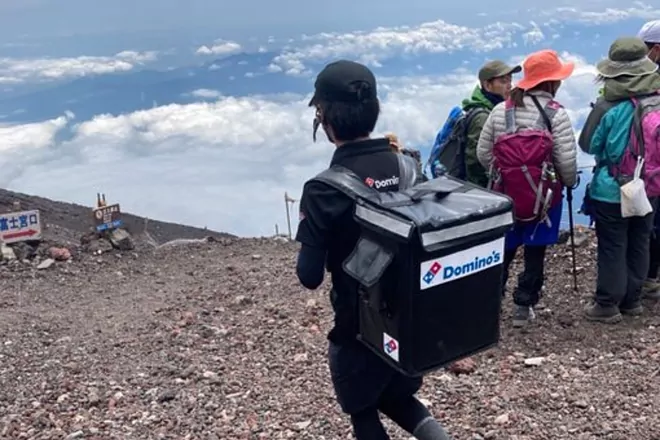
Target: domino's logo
{"x":391,"y":347}
{"x":433,"y":271}
{"x":378,"y":184}
{"x":461,"y":264}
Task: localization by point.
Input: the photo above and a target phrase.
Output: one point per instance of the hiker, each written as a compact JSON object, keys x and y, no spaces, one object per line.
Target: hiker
{"x":548,"y":133}
{"x":398,"y":147}
{"x":651,"y":285}
{"x":623,"y":243}
{"x":650,"y":35}
{"x":347,"y":108}
{"x":463,"y":126}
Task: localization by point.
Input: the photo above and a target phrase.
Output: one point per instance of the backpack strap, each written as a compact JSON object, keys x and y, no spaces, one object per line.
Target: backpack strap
{"x":349,"y":183}
{"x":638,"y":114}
{"x":637,"y":126}
{"x":407,"y":171}
{"x":346,"y":181}
{"x":469,"y":117}
{"x":546,"y":113}
{"x":510,"y":116}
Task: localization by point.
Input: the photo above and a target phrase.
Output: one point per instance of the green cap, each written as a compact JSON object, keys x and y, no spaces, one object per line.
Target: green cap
{"x":495,"y":69}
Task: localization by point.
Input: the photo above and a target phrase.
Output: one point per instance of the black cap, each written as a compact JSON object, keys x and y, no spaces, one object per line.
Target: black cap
{"x":344,"y":81}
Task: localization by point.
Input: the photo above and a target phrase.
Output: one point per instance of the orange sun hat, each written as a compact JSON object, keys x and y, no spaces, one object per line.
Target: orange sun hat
{"x":542,"y":66}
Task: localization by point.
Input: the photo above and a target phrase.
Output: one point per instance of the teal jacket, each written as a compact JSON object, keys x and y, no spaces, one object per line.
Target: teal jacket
{"x":606,"y":132}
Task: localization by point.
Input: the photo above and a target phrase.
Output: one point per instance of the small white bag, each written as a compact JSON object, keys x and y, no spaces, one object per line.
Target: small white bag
{"x":634,"y":201}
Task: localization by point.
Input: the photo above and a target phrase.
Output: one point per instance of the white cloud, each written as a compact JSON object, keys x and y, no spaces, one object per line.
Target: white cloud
{"x":205,"y":93}
{"x":224,"y":164}
{"x":14,"y":70}
{"x":219,"y":47}
{"x":533,"y":36}
{"x":34,"y":136}
{"x":376,"y":45}
{"x":638,"y":10}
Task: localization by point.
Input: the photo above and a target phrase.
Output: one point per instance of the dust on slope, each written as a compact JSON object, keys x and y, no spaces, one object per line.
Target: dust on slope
{"x":219,"y":341}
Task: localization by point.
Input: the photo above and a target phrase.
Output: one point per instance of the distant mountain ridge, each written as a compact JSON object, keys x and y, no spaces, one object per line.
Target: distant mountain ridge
{"x":66,"y":222}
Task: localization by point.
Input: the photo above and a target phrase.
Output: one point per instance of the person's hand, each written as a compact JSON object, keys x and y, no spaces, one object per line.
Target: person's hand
{"x":394,"y":142}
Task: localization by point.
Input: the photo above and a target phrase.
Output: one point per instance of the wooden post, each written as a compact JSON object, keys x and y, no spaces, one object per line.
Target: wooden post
{"x":288,"y":216}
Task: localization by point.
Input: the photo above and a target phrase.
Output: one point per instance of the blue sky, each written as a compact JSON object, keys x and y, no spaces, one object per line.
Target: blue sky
{"x":211,"y":112}
{"x":245,"y":18}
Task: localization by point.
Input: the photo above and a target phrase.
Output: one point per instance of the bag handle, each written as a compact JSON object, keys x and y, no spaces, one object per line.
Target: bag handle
{"x":420,"y":193}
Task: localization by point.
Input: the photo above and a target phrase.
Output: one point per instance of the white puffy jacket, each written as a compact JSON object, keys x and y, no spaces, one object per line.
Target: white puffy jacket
{"x":564,"y":151}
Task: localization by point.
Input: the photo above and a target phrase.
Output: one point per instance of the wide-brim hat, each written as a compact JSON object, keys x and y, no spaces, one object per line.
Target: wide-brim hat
{"x":543,"y":66}
{"x":627,"y":56}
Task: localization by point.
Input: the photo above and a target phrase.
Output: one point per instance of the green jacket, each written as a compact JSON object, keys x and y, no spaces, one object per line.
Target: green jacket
{"x":607,"y":129}
{"x":475,"y":172}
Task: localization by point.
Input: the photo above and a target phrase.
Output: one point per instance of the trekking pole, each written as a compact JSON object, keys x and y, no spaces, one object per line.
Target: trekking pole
{"x":571,"y":225}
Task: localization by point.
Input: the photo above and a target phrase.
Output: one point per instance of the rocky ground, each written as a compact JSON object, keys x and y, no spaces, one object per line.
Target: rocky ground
{"x":216,"y":340}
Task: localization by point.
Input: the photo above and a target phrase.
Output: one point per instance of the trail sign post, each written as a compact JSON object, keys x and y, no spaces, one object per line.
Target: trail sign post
{"x":288,"y":201}
{"x":107,"y":217}
{"x":20,"y":226}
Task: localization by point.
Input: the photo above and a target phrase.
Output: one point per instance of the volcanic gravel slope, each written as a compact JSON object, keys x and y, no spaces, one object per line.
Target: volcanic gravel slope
{"x":218,"y":341}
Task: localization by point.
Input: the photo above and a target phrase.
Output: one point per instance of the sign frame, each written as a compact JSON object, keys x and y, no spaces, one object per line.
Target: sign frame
{"x":27,"y":226}
{"x":107,"y":218}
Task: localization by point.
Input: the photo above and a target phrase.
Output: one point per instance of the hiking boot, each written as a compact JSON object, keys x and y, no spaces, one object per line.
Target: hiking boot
{"x":522,"y":315}
{"x":651,"y":289}
{"x":633,"y":309}
{"x":596,"y":312}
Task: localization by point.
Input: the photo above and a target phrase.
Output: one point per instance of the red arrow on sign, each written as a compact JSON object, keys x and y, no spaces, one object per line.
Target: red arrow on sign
{"x":27,"y":233}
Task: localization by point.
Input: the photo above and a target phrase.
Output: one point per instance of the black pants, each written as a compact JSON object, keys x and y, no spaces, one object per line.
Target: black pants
{"x":654,"y":252}
{"x":623,"y":254}
{"x":530,"y":281}
{"x":365,"y":385}
{"x":408,"y":413}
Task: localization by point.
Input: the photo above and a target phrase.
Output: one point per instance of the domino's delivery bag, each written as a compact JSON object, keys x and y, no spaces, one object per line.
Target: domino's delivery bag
{"x":429,"y":264}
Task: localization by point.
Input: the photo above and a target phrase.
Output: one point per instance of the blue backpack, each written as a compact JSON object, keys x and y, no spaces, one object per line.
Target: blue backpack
{"x":448,"y":153}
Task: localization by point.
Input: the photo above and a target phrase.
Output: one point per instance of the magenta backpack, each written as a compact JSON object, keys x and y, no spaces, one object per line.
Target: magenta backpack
{"x":522,"y":166}
{"x":644,"y":142}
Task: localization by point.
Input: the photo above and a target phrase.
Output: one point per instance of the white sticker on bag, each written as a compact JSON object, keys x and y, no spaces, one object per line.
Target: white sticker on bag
{"x":461,"y":264}
{"x":391,"y":346}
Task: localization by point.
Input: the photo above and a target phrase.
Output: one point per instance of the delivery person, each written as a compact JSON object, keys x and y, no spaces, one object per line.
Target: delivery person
{"x":347,"y":108}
